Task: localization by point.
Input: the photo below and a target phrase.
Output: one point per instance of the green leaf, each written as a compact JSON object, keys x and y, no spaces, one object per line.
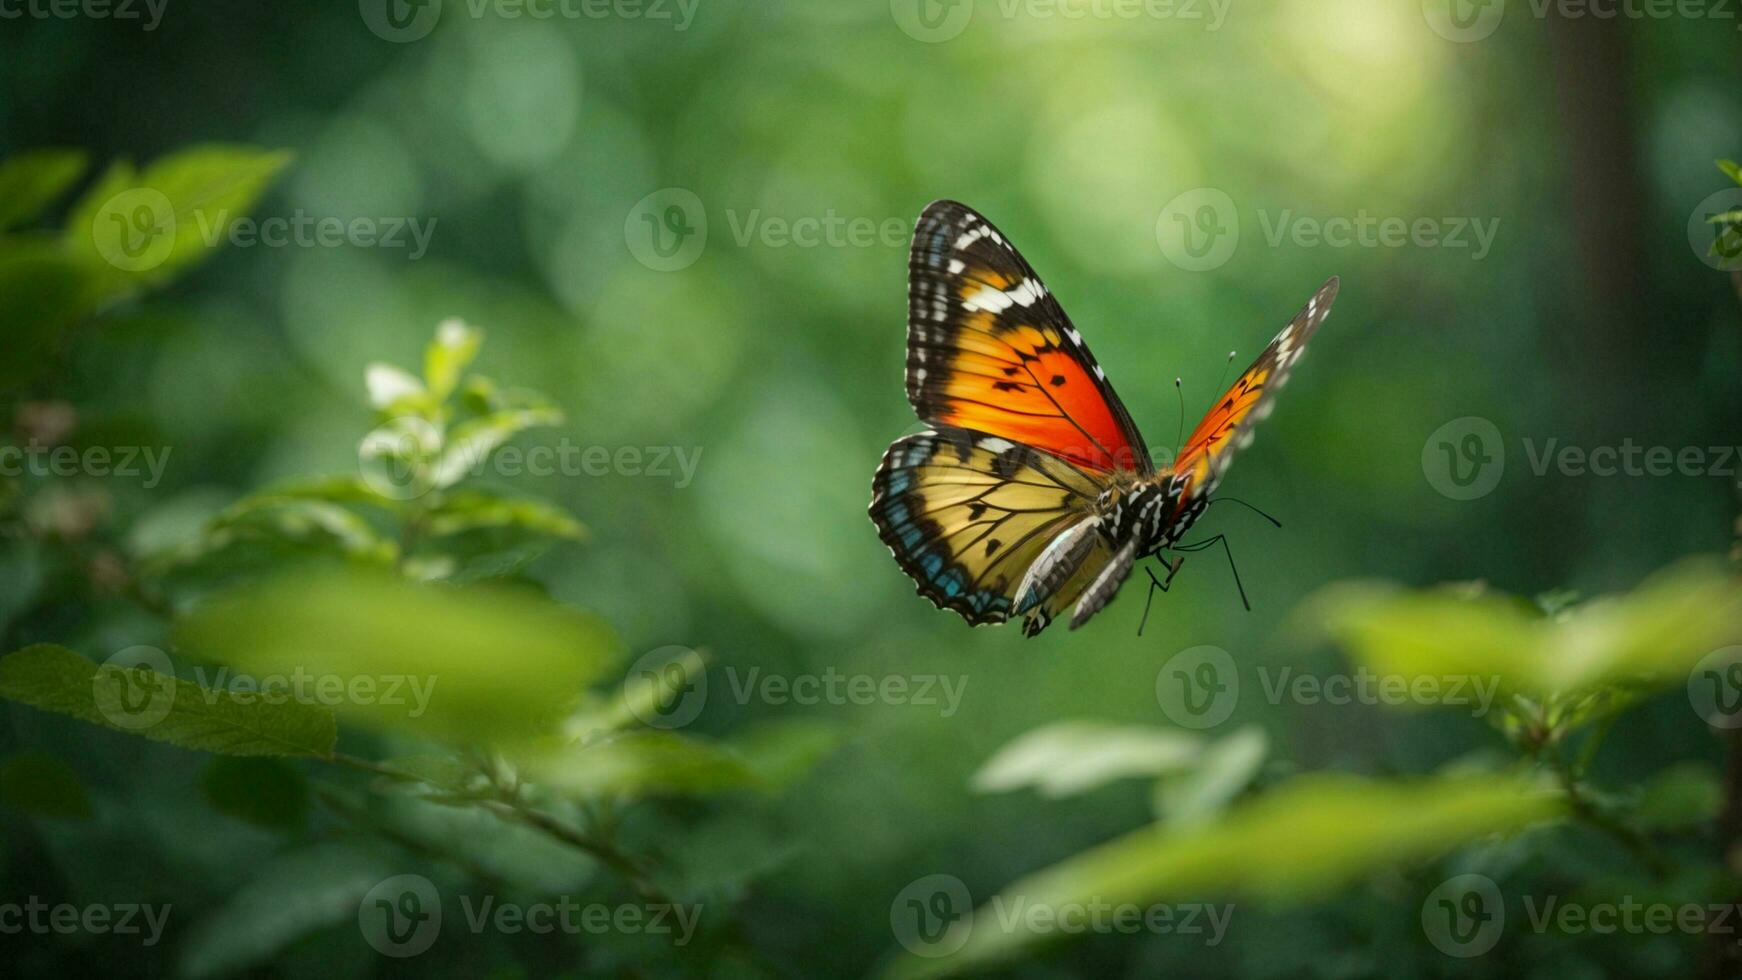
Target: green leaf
{"x":43,"y":785}
{"x":30,"y":182}
{"x":642,"y":763}
{"x":644,"y":694}
{"x":1068,"y":758}
{"x":1652,"y":636}
{"x":1731,"y":216}
{"x":1731,"y":170}
{"x":470,"y":443}
{"x":306,"y":519}
{"x":162,"y":708}
{"x":470,"y":510}
{"x":1224,"y":769}
{"x":1300,"y":841}
{"x":396,"y":391}
{"x":475,"y":664}
{"x":780,"y":753}
{"x":264,"y":792}
{"x":43,"y":291}
{"x":332,"y":489}
{"x":143,"y":229}
{"x":1683,"y":796}
{"x":287,"y":898}
{"x":447,"y":357}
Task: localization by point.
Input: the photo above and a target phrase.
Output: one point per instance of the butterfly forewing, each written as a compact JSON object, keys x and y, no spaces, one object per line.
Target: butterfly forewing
{"x":989,"y":349}
{"x":1228,"y":425}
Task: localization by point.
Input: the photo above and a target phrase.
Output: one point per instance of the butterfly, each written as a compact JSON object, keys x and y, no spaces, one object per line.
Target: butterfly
{"x":1033,"y":489}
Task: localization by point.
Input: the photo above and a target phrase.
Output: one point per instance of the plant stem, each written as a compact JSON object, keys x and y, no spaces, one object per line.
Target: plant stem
{"x":1586,"y":811}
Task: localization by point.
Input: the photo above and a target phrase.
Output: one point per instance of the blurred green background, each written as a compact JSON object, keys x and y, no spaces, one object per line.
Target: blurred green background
{"x":531,"y":148}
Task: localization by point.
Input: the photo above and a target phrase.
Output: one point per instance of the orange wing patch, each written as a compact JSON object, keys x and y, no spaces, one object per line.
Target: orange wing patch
{"x":990,"y":350}
{"x":1228,"y":425}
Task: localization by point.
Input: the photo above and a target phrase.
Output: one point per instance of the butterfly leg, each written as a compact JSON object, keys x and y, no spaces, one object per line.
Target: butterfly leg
{"x":1222,"y":539}
{"x":1155,"y":583}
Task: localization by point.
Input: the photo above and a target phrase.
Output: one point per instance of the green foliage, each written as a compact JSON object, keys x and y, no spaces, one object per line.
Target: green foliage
{"x":1556,"y":672}
{"x":405,"y":510}
{"x":290,"y":896}
{"x":142,"y":228}
{"x":30,"y":182}
{"x":1068,"y":758}
{"x":142,"y":701}
{"x":43,"y":785}
{"x":1295,"y":843}
{"x":426,"y":659}
{"x":128,"y":232}
{"x":264,"y":792}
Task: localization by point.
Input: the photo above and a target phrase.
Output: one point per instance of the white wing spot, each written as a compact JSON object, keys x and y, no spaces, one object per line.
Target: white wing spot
{"x":989,"y":299}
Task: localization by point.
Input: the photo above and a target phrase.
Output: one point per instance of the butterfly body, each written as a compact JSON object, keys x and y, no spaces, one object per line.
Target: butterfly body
{"x":1033,"y":490}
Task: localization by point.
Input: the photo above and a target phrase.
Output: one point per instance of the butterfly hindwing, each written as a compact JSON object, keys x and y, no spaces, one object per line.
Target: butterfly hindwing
{"x":965,"y":514}
{"x":989,"y":349}
{"x":1228,"y":425}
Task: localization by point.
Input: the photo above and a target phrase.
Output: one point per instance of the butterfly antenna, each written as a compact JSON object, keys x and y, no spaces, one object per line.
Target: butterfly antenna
{"x":1223,"y":379}
{"x":1180,"y":438}
{"x":1237,"y":500}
